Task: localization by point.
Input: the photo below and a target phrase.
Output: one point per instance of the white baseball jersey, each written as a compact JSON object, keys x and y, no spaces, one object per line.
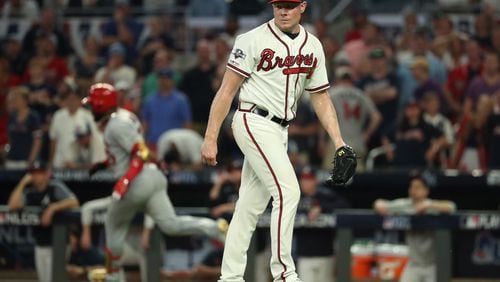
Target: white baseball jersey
{"x":146,"y":192}
{"x":278,"y":68}
{"x":122,"y":132}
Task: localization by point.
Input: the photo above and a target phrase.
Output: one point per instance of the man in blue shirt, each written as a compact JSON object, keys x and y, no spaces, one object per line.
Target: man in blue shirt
{"x":166,"y":109}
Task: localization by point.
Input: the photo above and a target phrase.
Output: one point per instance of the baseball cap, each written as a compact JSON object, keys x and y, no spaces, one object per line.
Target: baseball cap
{"x":427,"y":177}
{"x":343,"y":72}
{"x":166,"y":72}
{"x":289,"y":1}
{"x":376,"y":53}
{"x":38,"y":166}
{"x":82,"y":131}
{"x":117,"y":48}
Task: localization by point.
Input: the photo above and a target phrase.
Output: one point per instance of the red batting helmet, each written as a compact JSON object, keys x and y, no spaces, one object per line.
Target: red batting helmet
{"x":102,"y":98}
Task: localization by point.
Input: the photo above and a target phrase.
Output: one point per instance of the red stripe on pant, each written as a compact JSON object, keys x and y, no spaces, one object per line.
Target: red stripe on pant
{"x":279,"y":191}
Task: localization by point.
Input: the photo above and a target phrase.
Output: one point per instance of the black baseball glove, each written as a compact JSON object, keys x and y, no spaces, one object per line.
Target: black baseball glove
{"x":344,"y":166}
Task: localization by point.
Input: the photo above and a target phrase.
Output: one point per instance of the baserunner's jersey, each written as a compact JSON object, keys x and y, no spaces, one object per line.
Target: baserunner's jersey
{"x":278,"y":68}
{"x":122,"y":132}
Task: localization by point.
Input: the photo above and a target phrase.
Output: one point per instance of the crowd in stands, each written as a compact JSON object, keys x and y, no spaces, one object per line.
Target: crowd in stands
{"x":427,"y":96}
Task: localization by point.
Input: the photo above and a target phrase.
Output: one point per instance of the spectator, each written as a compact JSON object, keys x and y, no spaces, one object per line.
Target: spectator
{"x":417,"y":142}
{"x":425,"y":84}
{"x":24,"y":130}
{"x":136,"y":243}
{"x":316,"y":260}
{"x":64,"y":124}
{"x":222,"y":51}
{"x":87,"y":149}
{"x":7,"y":80}
{"x":359,"y":18}
{"x":231,"y":150}
{"x":356,"y":50}
{"x":486,"y":84}
{"x":208,"y":8}
{"x":460,"y":77}
{"x":433,"y":117}
{"x":197,"y":84}
{"x":157,"y":39}
{"x":116,"y":69}
{"x":87,"y":64}
{"x":495,"y":38}
{"x":183,"y":143}
{"x":468,"y":148}
{"x":163,"y":59}
{"x":410,"y":22}
{"x":81,"y":261}
{"x":42,"y":96}
{"x":419,"y":47}
{"x":46,"y":25}
{"x":38,"y":83}
{"x":450,"y":49}
{"x":55,"y":68}
{"x":52,"y":196}
{"x":231,"y":30}
{"x":304,"y":132}
{"x":123,"y":29}
{"x":26,"y":9}
{"x":382,"y":86}
{"x":321,"y":29}
{"x":483,"y":26}
{"x":129,"y":97}
{"x":421,"y":265}
{"x":488,"y":121}
{"x":166,"y":109}
{"x":12,"y":50}
{"x":358,"y":117}
{"x":442,"y":25}
{"x":224,"y":193}
{"x":331,"y":47}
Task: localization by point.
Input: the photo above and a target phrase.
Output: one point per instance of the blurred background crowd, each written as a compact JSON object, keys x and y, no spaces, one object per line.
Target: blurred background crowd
{"x":416,"y":85}
{"x":419,"y":89}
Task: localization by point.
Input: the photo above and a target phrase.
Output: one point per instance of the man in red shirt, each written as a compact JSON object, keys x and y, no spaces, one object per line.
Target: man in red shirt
{"x":460,"y":77}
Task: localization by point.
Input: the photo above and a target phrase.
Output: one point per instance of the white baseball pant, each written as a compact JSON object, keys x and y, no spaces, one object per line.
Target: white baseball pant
{"x":43,"y":263}
{"x":417,"y":273}
{"x":267,"y":172}
{"x":316,"y":268}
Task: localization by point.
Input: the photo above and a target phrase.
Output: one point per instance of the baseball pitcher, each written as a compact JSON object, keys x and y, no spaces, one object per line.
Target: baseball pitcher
{"x":271,"y":65}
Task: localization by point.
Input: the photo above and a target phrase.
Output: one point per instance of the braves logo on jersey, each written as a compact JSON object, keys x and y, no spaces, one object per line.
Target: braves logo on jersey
{"x":268,"y":61}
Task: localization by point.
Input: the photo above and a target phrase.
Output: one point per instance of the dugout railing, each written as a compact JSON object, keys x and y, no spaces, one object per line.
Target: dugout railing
{"x":345,"y":222}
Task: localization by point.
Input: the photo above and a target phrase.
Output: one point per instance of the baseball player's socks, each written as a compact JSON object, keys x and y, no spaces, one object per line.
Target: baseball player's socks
{"x":112,"y":267}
